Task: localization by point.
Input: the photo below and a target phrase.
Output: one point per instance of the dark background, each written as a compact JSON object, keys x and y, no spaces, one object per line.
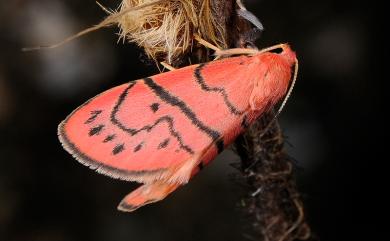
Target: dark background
{"x":335,"y":121}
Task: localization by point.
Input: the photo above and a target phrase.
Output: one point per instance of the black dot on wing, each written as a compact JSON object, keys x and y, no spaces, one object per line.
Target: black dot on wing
{"x":93,"y":116}
{"x":138,"y":147}
{"x":118,"y":148}
{"x":155,"y":107}
{"x":109,"y":138}
{"x":163,"y":144}
{"x":96,"y":130}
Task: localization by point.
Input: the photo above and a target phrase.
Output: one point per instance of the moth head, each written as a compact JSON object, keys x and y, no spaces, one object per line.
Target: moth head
{"x":288,"y":54}
{"x":274,"y":77}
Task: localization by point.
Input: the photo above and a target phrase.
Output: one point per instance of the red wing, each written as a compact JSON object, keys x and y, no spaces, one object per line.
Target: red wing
{"x":160,"y":127}
{"x":130,"y":132}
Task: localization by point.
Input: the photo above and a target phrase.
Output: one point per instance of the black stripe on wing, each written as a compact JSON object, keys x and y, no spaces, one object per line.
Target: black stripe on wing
{"x":200,"y":80}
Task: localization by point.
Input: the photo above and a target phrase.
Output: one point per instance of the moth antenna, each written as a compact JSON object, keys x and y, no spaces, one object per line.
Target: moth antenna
{"x":244,"y":13}
{"x":110,"y":20}
{"x":247,"y":51}
{"x":285,"y":98}
{"x":236,"y":51}
{"x":277,"y":46}
{"x":290,"y":89}
{"x":229,"y":52}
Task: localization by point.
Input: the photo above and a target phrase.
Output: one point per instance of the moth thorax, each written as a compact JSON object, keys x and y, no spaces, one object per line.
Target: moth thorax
{"x":272,"y":83}
{"x":288,"y":55}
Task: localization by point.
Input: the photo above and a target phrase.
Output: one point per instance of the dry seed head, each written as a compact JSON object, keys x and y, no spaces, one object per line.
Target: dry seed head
{"x":165,"y":29}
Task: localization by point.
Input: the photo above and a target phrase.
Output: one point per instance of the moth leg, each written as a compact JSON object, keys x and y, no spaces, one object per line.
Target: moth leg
{"x":205,"y":43}
{"x":167,"y":66}
{"x":145,"y":194}
{"x":225,"y":52}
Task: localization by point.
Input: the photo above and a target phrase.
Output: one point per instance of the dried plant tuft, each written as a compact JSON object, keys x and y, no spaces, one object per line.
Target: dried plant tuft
{"x":165,"y":30}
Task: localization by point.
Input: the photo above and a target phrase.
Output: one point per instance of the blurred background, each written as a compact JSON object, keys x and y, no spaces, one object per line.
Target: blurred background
{"x":335,"y":122}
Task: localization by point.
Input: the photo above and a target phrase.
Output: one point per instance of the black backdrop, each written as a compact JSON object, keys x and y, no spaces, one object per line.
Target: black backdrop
{"x":335,"y":122}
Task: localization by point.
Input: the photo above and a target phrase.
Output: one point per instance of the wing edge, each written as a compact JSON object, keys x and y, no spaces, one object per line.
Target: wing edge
{"x":146,"y":176}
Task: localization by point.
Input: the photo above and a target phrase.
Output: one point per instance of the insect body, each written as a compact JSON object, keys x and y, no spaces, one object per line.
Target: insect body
{"x":162,"y":130}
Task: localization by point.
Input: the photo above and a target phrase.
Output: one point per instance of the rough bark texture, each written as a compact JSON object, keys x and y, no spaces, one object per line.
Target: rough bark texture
{"x":272,"y":204}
